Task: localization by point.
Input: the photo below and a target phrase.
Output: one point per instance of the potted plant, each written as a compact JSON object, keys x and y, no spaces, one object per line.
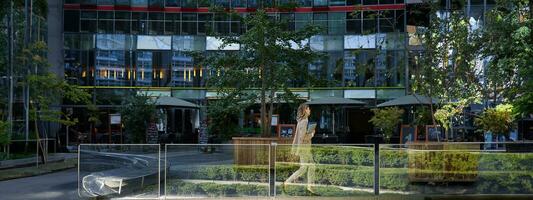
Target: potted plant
{"x":387,"y":120}
{"x":496,"y":121}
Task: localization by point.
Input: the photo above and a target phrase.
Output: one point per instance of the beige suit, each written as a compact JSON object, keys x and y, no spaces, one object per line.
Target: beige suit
{"x":301,"y":146}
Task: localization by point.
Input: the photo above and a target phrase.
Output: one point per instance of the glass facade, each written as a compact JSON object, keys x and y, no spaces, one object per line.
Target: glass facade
{"x":138,"y":44}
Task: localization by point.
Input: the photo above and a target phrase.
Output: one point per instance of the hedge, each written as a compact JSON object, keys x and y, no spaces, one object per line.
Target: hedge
{"x":363,"y":177}
{"x":182,"y":188}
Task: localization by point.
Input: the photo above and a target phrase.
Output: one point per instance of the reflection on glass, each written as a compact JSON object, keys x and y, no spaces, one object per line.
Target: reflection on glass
{"x":217,"y":171}
{"x":110,"y":68}
{"x":339,"y":170}
{"x":119,"y":171}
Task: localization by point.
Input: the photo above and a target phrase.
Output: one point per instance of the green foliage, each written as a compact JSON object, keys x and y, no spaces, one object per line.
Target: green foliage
{"x":5,"y":137}
{"x":47,"y":88}
{"x":508,"y":30}
{"x":447,"y":67}
{"x":422,"y":116}
{"x":387,"y":119}
{"x":223,"y":115}
{"x":491,"y":172}
{"x":444,"y":114}
{"x":137,"y":111}
{"x":497,"y":120}
{"x":266,"y":62}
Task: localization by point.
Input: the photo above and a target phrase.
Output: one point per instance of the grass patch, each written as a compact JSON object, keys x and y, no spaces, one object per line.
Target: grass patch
{"x":13,"y":156}
{"x":34,"y":171}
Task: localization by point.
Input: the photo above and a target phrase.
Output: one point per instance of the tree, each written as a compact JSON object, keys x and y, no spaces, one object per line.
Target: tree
{"x":498,"y":120}
{"x":508,"y":36}
{"x":387,"y":120}
{"x":448,"y":66}
{"x":137,"y":111}
{"x":270,"y":57}
{"x":47,"y":88}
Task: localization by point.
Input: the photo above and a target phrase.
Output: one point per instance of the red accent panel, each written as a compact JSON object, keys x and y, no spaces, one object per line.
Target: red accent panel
{"x":105,"y":7}
{"x":303,"y":9}
{"x":138,"y":8}
{"x":240,"y":10}
{"x":88,"y":7}
{"x":321,"y":9}
{"x":71,"y":6}
{"x":122,"y":8}
{"x":172,"y":9}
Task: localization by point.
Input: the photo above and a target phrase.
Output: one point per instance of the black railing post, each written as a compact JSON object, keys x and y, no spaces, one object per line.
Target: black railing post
{"x":376,"y":168}
{"x":272,"y":169}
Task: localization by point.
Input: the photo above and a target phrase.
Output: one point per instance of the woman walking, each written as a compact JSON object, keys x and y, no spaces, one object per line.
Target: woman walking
{"x":301,"y":146}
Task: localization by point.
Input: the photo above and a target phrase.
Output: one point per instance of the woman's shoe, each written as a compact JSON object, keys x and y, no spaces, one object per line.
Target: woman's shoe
{"x":284,"y":188}
{"x":312,"y":193}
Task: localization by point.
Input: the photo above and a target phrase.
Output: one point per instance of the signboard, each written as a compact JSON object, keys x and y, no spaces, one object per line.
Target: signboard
{"x":407,"y":134}
{"x":286,"y":130}
{"x":434,"y":134}
{"x":274,"y":121}
{"x":202,"y":134}
{"x":114,"y":118}
{"x":152,"y":136}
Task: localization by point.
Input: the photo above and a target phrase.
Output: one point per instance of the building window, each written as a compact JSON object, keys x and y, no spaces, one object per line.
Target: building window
{"x":336,"y":23}
{"x":370,"y":22}
{"x":359,"y":68}
{"x":139,"y":23}
{"x":172,"y":23}
{"x":188,"y":24}
{"x":88,"y":21}
{"x":205,"y":21}
{"x":71,"y":21}
{"x":302,"y":20}
{"x":110,"y":68}
{"x":156,"y":23}
{"x":353,"y":22}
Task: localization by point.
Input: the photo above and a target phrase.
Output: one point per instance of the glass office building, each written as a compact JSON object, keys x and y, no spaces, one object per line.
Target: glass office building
{"x":145,"y":43}
{"x":112,"y":46}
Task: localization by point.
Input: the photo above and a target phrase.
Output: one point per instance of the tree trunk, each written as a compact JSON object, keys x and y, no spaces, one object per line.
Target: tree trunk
{"x":264,"y":120}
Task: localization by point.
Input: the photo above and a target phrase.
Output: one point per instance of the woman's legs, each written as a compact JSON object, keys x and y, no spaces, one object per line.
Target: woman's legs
{"x":297,"y":174}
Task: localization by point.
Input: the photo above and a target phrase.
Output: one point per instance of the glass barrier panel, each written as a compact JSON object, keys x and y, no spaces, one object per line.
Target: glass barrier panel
{"x":325,"y":170}
{"x":456,"y":168}
{"x":216,"y":171}
{"x":114,"y":171}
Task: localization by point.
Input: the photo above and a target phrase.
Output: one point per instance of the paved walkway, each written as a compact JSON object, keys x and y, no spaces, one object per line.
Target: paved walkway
{"x":24,"y":162}
{"x":60,"y":185}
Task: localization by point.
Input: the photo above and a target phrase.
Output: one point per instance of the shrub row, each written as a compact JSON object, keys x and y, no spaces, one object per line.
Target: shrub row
{"x":362,"y":177}
{"x":182,"y":188}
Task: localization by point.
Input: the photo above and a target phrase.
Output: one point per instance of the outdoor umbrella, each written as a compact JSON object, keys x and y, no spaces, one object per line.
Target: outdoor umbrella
{"x":334,"y":101}
{"x":412,"y":99}
{"x":174,"y":102}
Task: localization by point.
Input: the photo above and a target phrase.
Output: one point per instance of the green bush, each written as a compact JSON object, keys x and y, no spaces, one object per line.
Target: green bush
{"x":505,"y":161}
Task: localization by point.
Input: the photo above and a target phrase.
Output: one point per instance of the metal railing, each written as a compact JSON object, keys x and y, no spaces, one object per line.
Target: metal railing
{"x":175,"y":171}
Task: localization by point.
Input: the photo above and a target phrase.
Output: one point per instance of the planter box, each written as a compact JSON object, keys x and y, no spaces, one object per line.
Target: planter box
{"x":254,"y":150}
{"x":443,"y":162}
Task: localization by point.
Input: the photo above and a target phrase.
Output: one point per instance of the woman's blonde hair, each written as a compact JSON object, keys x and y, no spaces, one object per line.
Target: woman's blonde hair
{"x":301,"y":112}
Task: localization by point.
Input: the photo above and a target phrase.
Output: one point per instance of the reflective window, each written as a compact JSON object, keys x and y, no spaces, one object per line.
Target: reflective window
{"x":139,"y":3}
{"x":336,"y":23}
{"x":359,"y":68}
{"x":172,"y":23}
{"x":144,"y":70}
{"x":354,"y":23}
{"x":139,"y":23}
{"x":110,"y":68}
{"x":71,"y":21}
{"x":88,"y":21}
{"x":302,"y":20}
{"x":188,"y":24}
{"x":370,"y":22}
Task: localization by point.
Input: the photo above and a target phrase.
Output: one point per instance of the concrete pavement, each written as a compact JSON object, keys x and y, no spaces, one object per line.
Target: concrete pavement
{"x":61,"y":185}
